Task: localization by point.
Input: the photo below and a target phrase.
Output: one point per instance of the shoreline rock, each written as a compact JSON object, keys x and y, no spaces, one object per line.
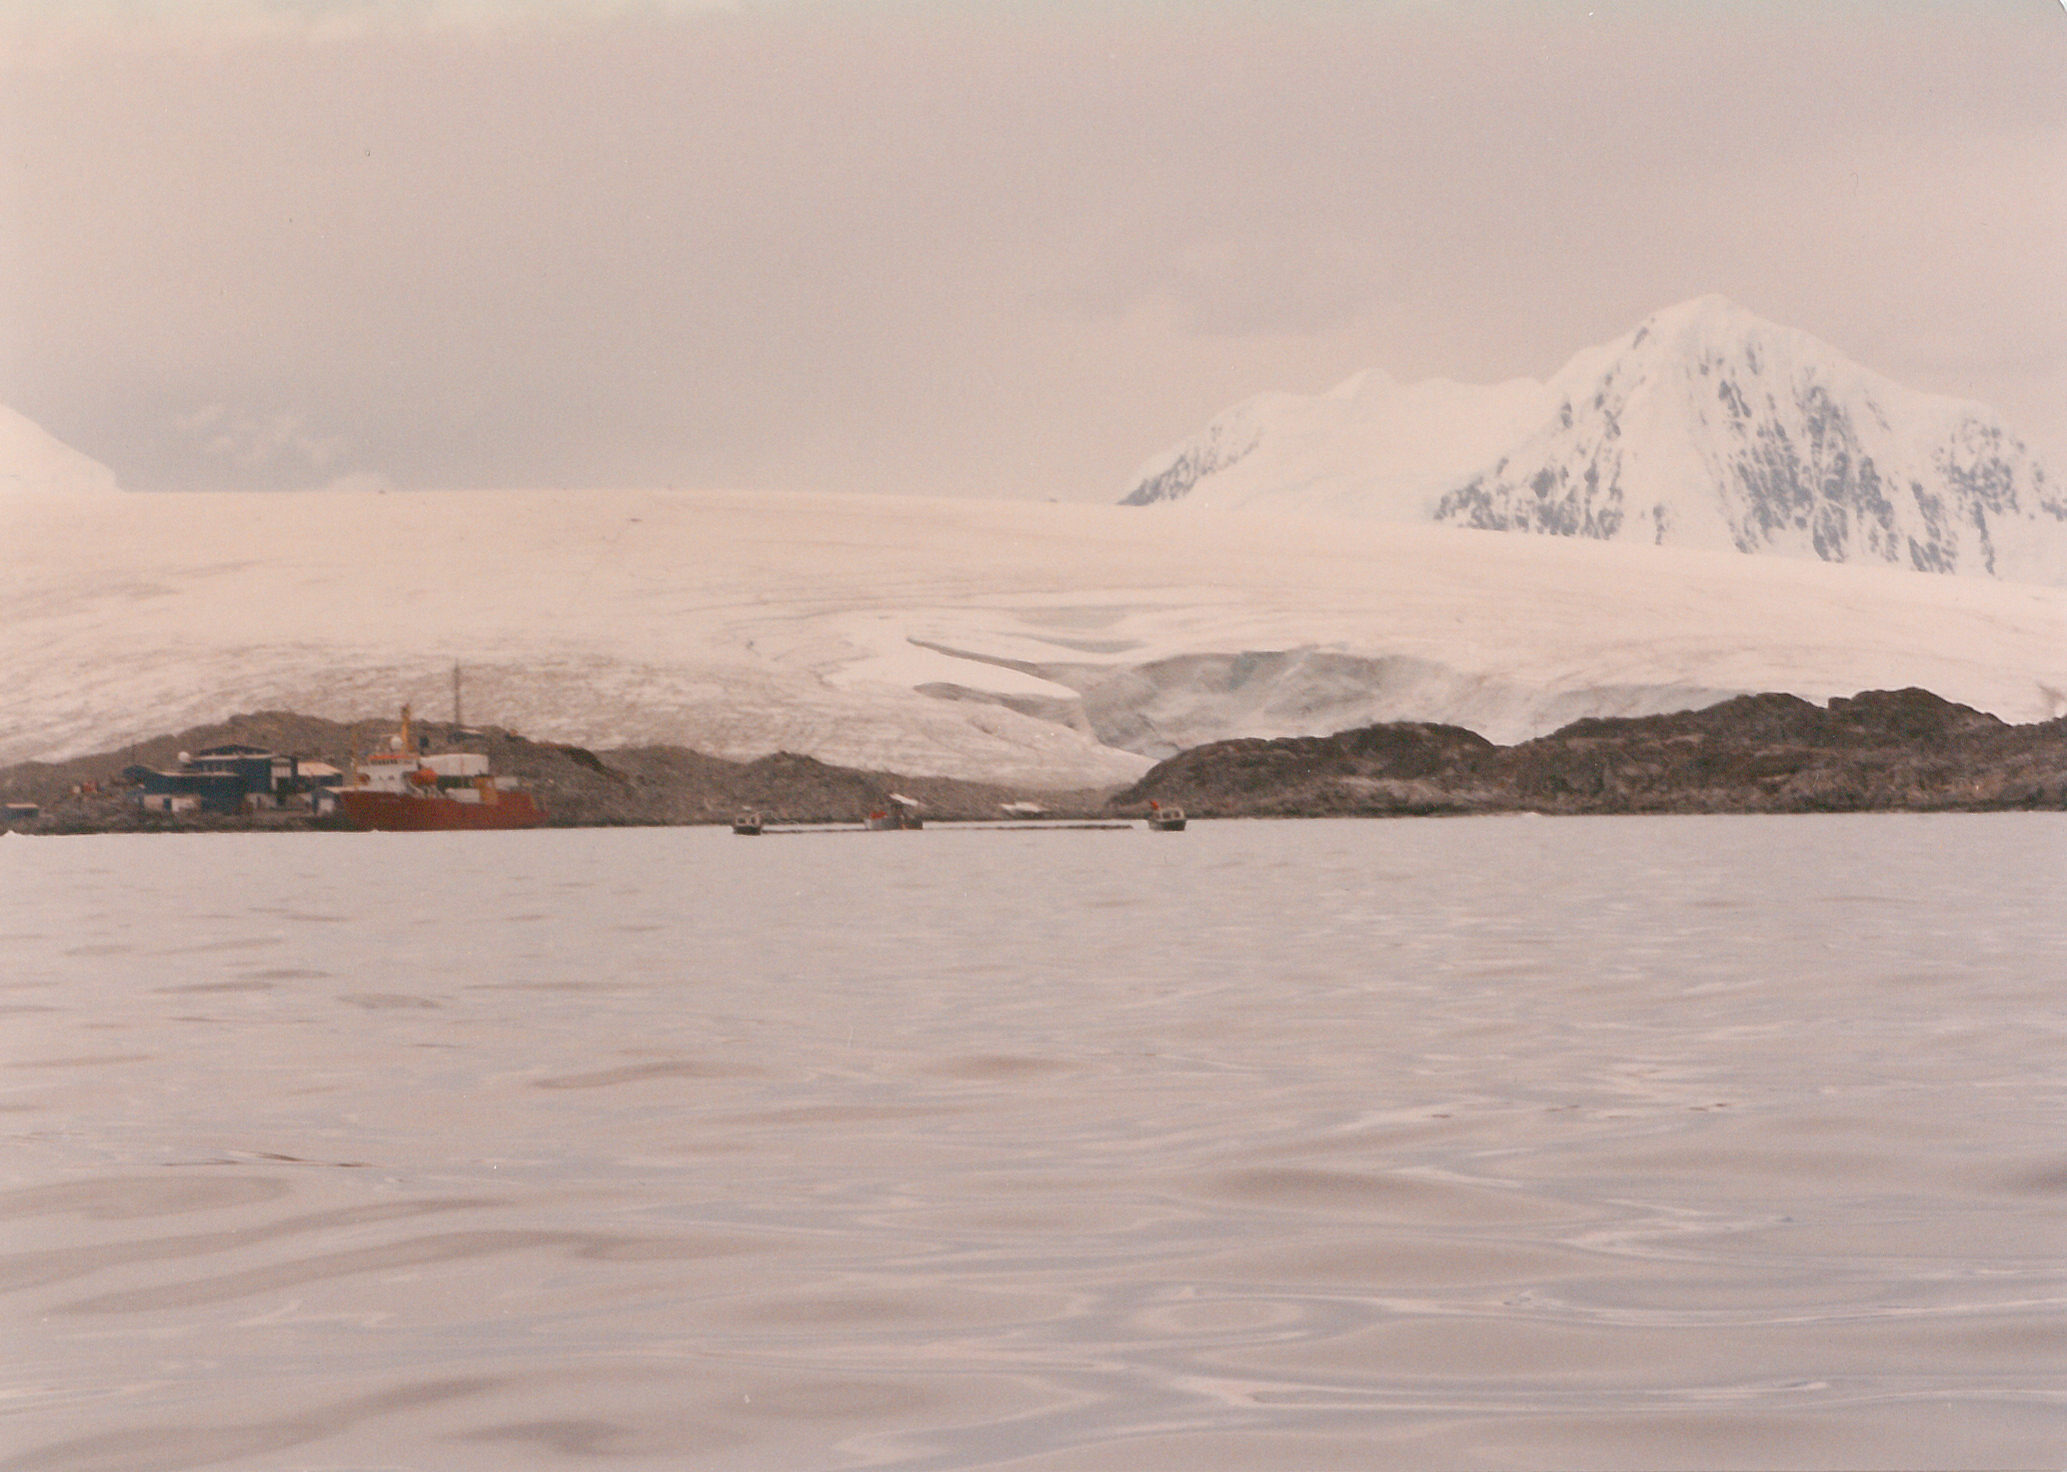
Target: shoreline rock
{"x":640,"y":786}
{"x":1878,"y":751}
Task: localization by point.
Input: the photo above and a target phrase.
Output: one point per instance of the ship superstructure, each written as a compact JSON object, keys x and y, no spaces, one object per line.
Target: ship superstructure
{"x":405,"y":788}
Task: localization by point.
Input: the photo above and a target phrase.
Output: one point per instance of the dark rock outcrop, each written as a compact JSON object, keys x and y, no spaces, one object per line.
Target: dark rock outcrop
{"x":1901,"y":750}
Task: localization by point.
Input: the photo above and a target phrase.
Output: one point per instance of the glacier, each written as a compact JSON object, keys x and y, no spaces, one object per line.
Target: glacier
{"x":1705,"y":426}
{"x":1042,"y":644}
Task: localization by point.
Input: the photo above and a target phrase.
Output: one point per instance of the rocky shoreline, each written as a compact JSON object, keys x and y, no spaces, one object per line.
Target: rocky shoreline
{"x":1879,"y":751}
{"x":626,"y":787}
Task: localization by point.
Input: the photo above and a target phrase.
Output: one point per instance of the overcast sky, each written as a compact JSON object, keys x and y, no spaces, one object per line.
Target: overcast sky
{"x":972,"y":247}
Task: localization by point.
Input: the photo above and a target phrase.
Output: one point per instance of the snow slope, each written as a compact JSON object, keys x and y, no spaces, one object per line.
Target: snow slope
{"x":1370,"y":446}
{"x":1047,"y":644}
{"x":1704,"y":427}
{"x":31,"y":459}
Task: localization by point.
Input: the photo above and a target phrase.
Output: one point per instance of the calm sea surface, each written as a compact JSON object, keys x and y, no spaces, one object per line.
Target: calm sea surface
{"x":1701,"y":1142}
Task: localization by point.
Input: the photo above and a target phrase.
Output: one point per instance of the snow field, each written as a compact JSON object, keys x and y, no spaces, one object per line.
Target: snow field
{"x":742,"y":623}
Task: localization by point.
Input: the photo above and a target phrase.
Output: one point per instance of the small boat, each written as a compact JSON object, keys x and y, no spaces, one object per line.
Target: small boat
{"x":402,"y":790}
{"x":747,"y":822}
{"x":899,"y":812}
{"x":902,"y":812}
{"x":1165,"y":820}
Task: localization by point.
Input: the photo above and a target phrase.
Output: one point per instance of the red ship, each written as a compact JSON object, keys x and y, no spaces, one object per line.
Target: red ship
{"x":402,"y":791}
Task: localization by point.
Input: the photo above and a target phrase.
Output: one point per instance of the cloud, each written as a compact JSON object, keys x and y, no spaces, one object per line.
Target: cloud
{"x":269,"y":451}
{"x":36,"y":32}
{"x":970,"y":246}
{"x":259,"y":441}
{"x":360,"y":481}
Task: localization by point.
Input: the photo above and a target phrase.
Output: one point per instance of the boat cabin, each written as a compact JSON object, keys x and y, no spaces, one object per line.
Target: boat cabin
{"x":459,"y":775}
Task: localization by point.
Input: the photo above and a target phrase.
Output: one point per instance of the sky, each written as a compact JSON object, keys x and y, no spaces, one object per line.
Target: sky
{"x":1006,"y":248}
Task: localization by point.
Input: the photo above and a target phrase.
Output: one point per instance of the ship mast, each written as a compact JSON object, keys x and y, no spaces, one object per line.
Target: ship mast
{"x":457,"y":723}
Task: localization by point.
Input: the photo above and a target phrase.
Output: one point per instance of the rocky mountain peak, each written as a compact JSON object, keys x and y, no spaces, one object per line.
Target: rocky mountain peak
{"x":1705,"y":426}
{"x":1708,"y":426}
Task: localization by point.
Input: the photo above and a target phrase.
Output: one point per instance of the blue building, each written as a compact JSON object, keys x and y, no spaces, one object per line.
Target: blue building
{"x":187,"y":791}
{"x":220,"y":779}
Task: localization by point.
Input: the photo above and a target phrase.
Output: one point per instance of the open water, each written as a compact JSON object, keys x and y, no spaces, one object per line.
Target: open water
{"x":1702,"y":1142}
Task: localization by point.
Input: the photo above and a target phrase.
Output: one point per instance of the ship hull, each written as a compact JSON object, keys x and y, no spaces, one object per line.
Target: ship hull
{"x":390,"y":812}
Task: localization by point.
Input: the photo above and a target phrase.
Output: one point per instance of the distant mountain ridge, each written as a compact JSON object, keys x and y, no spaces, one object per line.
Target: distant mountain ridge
{"x":1706,"y":426}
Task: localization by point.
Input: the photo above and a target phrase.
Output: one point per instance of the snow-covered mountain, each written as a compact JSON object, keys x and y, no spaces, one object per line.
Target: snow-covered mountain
{"x":1051,"y":645}
{"x":1371,"y":446}
{"x":32,"y":459}
{"x":1704,"y":427}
